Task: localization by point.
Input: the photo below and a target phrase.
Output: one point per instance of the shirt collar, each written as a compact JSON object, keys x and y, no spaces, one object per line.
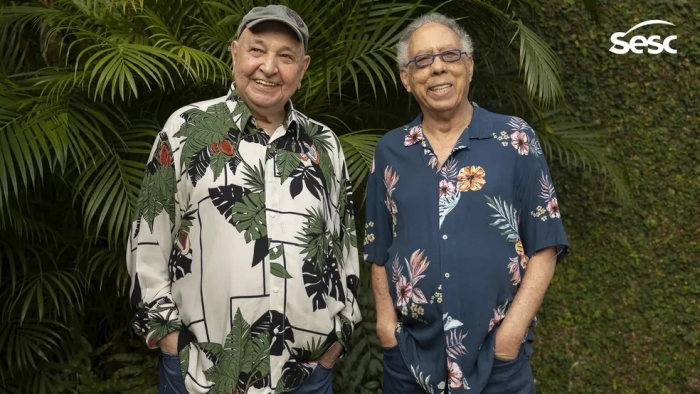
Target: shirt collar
{"x":290,"y":122}
{"x":479,"y":128}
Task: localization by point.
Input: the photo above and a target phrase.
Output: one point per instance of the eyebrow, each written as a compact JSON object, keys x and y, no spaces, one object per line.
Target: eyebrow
{"x":284,"y":48}
{"x":440,"y":50}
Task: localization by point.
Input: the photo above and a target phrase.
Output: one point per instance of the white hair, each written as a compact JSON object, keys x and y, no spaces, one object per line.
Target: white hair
{"x":402,"y":45}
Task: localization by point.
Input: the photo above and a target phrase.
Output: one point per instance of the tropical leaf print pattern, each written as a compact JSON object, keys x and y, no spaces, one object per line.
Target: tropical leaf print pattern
{"x":406,"y":289}
{"x":391,"y":178}
{"x":506,"y":218}
{"x":209,"y":200}
{"x":547,"y":193}
{"x":242,"y":353}
{"x":180,"y":263}
{"x":158,"y":188}
{"x":449,"y":194}
{"x":498,"y":315}
{"x":454,"y":339}
{"x":211,"y":140}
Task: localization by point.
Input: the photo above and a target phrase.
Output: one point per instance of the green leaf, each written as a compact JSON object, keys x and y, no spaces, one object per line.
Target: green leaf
{"x":248,"y":216}
{"x":279,"y":271}
{"x":217,"y":163}
{"x":276,"y":252}
{"x":286,"y":162}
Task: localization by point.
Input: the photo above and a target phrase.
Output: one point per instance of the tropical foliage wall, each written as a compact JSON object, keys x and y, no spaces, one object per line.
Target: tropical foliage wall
{"x":86,"y":84}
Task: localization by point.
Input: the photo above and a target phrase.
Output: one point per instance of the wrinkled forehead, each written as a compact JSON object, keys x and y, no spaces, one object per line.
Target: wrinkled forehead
{"x":433,"y":38}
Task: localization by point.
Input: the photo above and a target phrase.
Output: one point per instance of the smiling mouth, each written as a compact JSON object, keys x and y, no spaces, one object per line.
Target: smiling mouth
{"x":265,"y":83}
{"x":441,"y":88}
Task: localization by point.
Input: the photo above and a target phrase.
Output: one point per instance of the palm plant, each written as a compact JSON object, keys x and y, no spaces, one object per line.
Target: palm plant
{"x":84,"y":86}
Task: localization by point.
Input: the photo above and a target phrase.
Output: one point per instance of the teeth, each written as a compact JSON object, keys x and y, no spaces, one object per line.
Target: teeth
{"x":440,"y":88}
{"x":266,"y":83}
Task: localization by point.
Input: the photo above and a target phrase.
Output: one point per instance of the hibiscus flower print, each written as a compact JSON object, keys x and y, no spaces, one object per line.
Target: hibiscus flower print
{"x":414,"y":135}
{"x":547,"y":193}
{"x":454,"y":373}
{"x":471,"y":178}
{"x":553,"y":208}
{"x":520,"y":141}
{"x":447,"y":188}
{"x":406,"y":290}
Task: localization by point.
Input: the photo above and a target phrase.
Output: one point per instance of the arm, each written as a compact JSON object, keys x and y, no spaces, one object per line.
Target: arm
{"x":348,"y":259}
{"x":386,"y":314}
{"x":150,"y":243}
{"x":544,"y":241}
{"x":526,"y":303}
{"x":378,"y":238}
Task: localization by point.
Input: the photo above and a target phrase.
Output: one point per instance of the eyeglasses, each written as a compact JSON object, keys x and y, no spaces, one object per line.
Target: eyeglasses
{"x":427,"y":59}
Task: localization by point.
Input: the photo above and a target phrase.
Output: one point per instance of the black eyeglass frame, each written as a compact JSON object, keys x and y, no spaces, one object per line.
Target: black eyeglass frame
{"x":434,"y":55}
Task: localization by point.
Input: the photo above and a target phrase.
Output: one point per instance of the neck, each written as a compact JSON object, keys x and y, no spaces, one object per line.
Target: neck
{"x":453,"y":121}
{"x":269,"y":120}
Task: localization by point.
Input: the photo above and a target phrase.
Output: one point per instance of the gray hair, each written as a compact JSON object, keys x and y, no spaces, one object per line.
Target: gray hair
{"x":402,"y":45}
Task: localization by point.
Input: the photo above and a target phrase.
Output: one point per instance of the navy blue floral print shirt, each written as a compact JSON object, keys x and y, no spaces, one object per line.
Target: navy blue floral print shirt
{"x":456,"y":239}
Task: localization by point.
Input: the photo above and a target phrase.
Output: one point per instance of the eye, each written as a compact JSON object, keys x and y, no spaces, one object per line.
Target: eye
{"x":257,"y":50}
{"x":451,"y":55}
{"x":424,"y":60}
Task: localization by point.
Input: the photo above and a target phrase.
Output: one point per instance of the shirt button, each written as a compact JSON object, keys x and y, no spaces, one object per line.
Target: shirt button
{"x":447,"y":275}
{"x":277,"y":289}
{"x":272,"y":214}
{"x":444,"y":236}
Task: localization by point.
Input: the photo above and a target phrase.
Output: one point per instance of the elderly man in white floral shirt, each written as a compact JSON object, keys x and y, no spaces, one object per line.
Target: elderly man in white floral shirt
{"x":243,"y":254}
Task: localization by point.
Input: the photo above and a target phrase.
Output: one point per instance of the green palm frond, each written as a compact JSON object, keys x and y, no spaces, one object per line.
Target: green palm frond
{"x":540,"y":67}
{"x":26,"y":343}
{"x":494,"y":27}
{"x":110,"y":186}
{"x":58,"y":292}
{"x":578,"y":146}
{"x":359,"y":147}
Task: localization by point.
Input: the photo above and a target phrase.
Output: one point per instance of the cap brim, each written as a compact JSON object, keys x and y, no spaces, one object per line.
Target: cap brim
{"x":273,"y":19}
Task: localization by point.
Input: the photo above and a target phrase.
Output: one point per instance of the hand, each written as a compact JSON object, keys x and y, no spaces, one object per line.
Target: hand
{"x":328,"y":359}
{"x":507,"y":345}
{"x":169,"y":343}
{"x":385,"y":333}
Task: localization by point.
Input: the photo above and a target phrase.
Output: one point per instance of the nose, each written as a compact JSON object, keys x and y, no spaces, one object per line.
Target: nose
{"x":269,"y":65}
{"x":438,"y":66}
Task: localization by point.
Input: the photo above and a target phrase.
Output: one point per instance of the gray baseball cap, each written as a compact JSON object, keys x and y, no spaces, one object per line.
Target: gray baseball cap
{"x":277,"y":13}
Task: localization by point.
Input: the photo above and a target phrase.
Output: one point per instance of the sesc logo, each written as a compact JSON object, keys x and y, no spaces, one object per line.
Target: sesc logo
{"x":637,"y":44}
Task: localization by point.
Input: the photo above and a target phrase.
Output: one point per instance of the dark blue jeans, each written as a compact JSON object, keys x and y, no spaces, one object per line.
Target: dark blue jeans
{"x":398,"y":379}
{"x":511,"y":377}
{"x":507,"y":377}
{"x":320,"y":382}
{"x":171,"y":381}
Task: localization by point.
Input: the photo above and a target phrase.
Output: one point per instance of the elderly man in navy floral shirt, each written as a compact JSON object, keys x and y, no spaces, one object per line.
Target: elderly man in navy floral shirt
{"x":463,"y":228}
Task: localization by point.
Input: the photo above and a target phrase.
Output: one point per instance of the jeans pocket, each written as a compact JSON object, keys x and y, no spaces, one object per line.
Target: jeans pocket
{"x":171,"y":381}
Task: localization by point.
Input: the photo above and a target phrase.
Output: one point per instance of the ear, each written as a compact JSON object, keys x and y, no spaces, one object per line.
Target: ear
{"x":470,"y":67}
{"x":404,"y":78}
{"x":306,"y":61}
{"x":234,"y":51}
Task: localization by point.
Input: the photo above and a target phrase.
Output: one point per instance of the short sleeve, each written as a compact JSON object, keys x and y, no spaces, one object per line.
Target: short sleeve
{"x":540,"y":224}
{"x":378,"y":221}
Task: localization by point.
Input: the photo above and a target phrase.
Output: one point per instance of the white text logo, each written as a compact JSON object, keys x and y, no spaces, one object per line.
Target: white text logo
{"x":636,"y":44}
